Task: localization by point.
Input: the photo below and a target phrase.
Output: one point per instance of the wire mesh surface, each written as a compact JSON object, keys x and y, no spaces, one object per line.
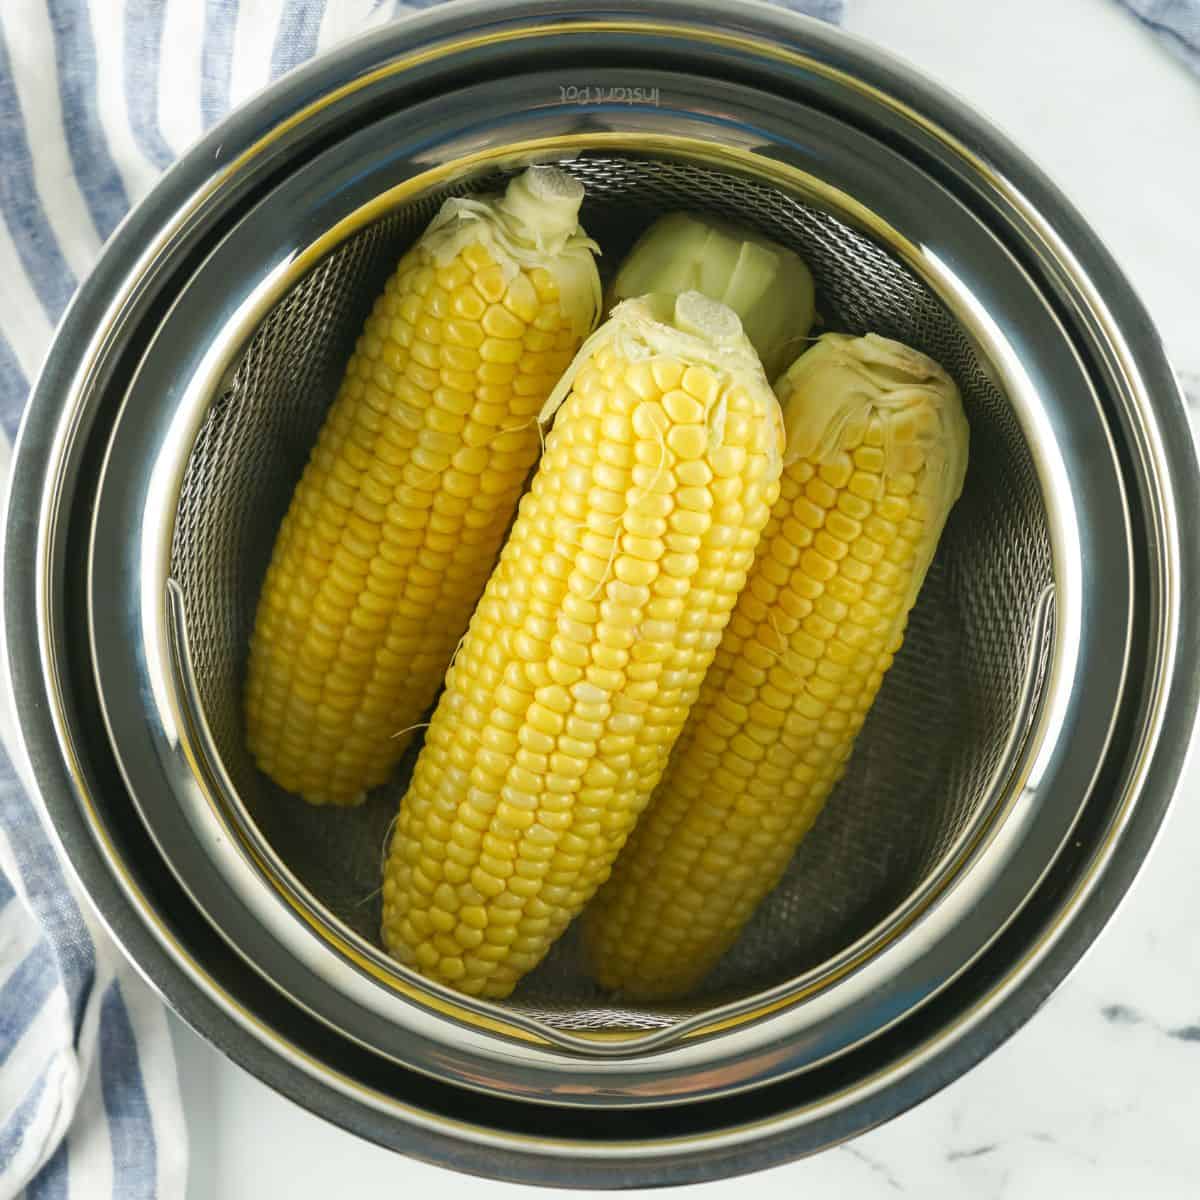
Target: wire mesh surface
{"x":935,"y":735}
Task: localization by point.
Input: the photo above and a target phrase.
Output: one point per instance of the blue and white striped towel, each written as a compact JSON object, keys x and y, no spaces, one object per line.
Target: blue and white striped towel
{"x":96,"y":98}
{"x":1177,"y":24}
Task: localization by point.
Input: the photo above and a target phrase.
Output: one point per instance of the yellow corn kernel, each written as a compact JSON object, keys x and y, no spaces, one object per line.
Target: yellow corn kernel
{"x":803,"y":657}
{"x":592,"y":739}
{"x":416,"y":474}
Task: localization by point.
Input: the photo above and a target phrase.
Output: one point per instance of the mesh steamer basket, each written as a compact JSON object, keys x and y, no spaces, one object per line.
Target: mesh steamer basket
{"x":1010,"y":778}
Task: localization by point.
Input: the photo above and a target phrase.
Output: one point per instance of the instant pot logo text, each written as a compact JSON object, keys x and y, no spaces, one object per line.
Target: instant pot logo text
{"x":591,"y":94}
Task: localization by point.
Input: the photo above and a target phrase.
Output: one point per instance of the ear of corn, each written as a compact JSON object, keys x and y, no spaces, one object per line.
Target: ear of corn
{"x":768,"y":286}
{"x":589,"y":644}
{"x":414,"y":480}
{"x":877,"y":450}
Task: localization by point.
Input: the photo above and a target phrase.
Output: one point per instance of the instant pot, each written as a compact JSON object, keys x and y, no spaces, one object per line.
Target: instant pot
{"x":1009,"y":781}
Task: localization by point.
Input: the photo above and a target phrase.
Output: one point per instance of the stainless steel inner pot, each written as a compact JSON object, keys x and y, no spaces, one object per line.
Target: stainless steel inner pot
{"x":926,"y":766}
{"x":1012,"y":772}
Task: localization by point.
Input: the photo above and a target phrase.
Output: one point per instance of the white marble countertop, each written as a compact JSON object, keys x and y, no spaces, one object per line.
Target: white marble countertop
{"x":1097,"y":1096}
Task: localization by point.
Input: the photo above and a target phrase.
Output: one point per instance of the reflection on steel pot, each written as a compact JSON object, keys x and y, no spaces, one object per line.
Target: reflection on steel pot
{"x":1008,"y":782}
